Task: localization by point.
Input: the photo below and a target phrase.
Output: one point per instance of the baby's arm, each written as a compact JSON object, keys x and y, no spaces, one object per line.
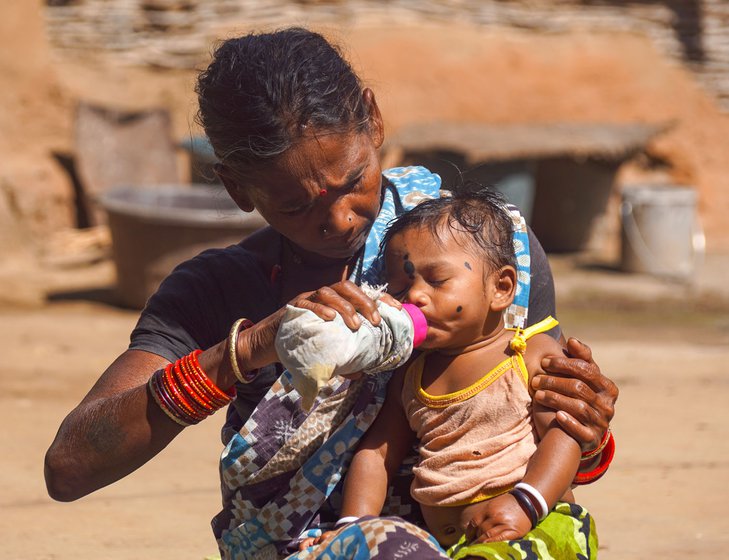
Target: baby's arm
{"x":550,"y":470}
{"x":553,"y":466}
{"x":379,"y":455}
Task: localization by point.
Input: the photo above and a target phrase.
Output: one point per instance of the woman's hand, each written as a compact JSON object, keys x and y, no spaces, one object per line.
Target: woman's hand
{"x":582,"y":396}
{"x":345,"y":298}
{"x":256,"y":347}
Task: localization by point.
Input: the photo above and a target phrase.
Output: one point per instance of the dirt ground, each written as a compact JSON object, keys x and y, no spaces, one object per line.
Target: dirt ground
{"x":665,"y":495}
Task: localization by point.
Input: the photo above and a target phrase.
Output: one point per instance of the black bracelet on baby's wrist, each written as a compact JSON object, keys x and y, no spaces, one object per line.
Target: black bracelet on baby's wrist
{"x":526,"y":504}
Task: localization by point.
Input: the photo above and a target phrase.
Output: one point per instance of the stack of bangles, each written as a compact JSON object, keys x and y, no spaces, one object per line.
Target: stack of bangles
{"x":606,"y":450}
{"x":531,"y":501}
{"x":185,"y":393}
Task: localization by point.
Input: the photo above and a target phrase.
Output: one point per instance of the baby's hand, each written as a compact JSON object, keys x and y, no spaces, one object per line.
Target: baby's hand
{"x":313,"y":541}
{"x":501,"y":519}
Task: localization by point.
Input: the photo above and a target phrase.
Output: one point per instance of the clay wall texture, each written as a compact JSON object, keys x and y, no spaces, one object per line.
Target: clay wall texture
{"x":177,"y":33}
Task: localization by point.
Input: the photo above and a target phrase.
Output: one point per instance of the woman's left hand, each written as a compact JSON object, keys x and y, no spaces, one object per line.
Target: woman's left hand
{"x":582,"y":396}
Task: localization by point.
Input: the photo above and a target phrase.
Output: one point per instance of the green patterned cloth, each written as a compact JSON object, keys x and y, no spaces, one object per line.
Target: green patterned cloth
{"x":568,"y":532}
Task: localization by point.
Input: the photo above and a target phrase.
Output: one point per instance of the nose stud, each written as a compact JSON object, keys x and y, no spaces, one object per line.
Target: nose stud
{"x":324,"y":230}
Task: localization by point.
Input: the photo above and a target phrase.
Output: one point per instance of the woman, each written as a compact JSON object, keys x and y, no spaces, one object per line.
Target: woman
{"x":297,"y":137}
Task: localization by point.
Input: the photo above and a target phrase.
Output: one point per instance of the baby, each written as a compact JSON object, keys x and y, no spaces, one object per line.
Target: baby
{"x":492,"y":465}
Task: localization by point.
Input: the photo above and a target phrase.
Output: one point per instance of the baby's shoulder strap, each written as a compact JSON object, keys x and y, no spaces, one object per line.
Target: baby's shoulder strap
{"x":518,"y":342}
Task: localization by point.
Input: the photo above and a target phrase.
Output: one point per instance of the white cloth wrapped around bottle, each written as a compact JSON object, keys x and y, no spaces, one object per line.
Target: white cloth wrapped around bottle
{"x":314,"y":350}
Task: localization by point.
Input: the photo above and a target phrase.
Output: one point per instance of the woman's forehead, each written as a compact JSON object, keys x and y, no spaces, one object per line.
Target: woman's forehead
{"x":317,"y":161}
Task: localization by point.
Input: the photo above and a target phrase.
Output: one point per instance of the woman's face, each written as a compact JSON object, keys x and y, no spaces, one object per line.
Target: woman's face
{"x":323,"y":193}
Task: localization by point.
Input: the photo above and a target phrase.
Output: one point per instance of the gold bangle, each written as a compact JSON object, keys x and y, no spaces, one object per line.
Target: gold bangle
{"x":232,"y":348}
{"x":594,"y":452}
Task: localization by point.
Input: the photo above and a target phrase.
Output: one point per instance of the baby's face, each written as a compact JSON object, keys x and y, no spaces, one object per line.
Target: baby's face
{"x":444,"y":280}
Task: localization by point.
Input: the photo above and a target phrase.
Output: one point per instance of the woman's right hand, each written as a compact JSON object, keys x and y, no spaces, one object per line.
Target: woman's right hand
{"x":256,"y":348}
{"x":345,"y":298}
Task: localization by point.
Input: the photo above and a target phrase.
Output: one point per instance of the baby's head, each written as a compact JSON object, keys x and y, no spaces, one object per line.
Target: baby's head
{"x":454,"y":258}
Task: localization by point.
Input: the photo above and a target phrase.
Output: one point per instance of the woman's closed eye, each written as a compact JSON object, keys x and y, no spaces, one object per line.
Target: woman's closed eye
{"x":352,"y":186}
{"x":296,"y":211}
{"x":305,"y":207}
{"x":357,"y":184}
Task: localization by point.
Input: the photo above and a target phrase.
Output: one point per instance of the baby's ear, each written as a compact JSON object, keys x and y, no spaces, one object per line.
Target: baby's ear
{"x":504,"y":288}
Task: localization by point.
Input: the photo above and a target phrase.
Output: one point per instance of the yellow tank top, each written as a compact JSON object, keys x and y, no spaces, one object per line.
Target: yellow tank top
{"x":475,"y":443}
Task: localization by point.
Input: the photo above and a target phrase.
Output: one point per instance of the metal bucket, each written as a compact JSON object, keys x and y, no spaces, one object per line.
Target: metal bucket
{"x":155,"y":228}
{"x":661,"y":234}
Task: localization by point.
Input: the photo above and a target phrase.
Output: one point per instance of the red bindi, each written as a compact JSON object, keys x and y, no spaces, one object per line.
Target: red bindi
{"x":323,"y":192}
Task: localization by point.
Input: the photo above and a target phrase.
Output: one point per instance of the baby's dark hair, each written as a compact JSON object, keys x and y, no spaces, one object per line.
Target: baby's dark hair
{"x":261,"y":91}
{"x":475,"y":215}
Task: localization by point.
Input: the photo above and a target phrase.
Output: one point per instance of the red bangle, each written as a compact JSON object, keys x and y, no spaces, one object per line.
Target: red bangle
{"x":198,"y":389}
{"x":174,"y":391}
{"x":185,"y":393}
{"x":166,"y":402}
{"x":199,"y":403}
{"x":214,"y":389}
{"x":166,"y":407}
{"x":606,"y":458}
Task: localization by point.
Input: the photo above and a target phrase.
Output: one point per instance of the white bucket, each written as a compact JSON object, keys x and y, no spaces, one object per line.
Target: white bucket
{"x":661,"y":233}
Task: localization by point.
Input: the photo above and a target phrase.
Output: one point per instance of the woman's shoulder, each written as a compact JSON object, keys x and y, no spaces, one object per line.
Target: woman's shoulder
{"x":250,"y":255}
{"x":223,"y":273}
{"x":198,"y":301}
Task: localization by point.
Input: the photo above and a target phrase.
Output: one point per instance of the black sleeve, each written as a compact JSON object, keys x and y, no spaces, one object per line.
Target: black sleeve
{"x":196,"y":304}
{"x":541,"y":291}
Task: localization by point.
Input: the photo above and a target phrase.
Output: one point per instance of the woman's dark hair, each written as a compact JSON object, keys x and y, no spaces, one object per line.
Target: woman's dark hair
{"x":261,"y":91}
{"x":476,"y":215}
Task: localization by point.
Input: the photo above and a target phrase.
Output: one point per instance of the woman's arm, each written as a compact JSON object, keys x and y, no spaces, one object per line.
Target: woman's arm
{"x":118,"y":427}
{"x":573,"y":386}
{"x":115,"y":429}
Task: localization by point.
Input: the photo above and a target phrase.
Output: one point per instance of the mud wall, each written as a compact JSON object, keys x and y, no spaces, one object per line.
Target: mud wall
{"x":177,"y":33}
{"x":490,"y":62}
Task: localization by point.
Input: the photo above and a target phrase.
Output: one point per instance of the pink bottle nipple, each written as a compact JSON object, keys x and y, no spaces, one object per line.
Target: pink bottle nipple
{"x":420,"y":324}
